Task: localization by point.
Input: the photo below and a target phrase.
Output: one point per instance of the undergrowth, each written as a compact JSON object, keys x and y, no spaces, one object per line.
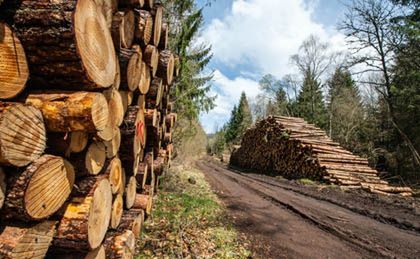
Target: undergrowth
{"x":188,"y":221}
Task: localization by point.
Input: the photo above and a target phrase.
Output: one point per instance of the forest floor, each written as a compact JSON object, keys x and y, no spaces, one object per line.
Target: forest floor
{"x":189,"y":221}
{"x":303,"y":219}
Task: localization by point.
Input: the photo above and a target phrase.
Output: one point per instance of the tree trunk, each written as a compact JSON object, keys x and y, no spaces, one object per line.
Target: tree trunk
{"x":164,"y":37}
{"x":117,"y":211}
{"x":24,"y":198}
{"x":132,"y":220}
{"x":130,"y":192}
{"x":131,"y":67}
{"x":151,"y":58}
{"x":22,"y":134}
{"x":166,"y":66}
{"x":120,"y":244}
{"x":122,"y":29}
{"x":144,"y":26}
{"x":113,"y":146}
{"x":91,"y":161}
{"x":157,"y":12}
{"x":14,"y":70}
{"x":68,"y":43}
{"x":26,"y":241}
{"x":86,"y":218}
{"x":78,"y":111}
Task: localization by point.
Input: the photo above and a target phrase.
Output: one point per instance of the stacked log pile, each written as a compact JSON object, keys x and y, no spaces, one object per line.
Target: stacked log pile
{"x":295,"y":149}
{"x":85,"y":125}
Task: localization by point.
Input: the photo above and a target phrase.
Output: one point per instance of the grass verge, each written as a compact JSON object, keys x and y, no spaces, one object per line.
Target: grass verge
{"x":189,"y":221}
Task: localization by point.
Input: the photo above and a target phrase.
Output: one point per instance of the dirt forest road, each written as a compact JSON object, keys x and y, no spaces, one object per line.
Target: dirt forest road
{"x":283,"y":223}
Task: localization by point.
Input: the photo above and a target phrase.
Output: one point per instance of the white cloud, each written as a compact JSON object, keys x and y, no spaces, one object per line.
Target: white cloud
{"x":259,"y":35}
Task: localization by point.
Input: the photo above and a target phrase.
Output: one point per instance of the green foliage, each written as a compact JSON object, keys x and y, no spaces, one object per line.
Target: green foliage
{"x":276,"y":95}
{"x":217,"y":143}
{"x":310,"y":103}
{"x":240,"y":120}
{"x":191,"y":88}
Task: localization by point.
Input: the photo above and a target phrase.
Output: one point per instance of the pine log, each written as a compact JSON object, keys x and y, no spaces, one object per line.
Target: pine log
{"x":115,"y":105}
{"x":14,"y":70}
{"x":164,"y":37}
{"x":130,"y":192}
{"x":122,"y":29}
{"x":40,"y":190}
{"x":151,"y":118}
{"x":159,"y":165}
{"x":114,"y":174}
{"x":117,"y":79}
{"x":144,"y":26}
{"x":91,"y":161}
{"x":127,"y":97}
{"x":141,"y":101}
{"x":157,"y":12}
{"x":3,"y":186}
{"x":120,"y":244}
{"x":113,"y":146}
{"x":117,"y":211}
{"x":68,"y":43}
{"x":22,"y":134}
{"x":86,"y":218}
{"x":64,"y":144}
{"x":26,"y":241}
{"x":145,"y":79}
{"x":143,"y":202}
{"x":77,"y":111}
{"x":155,"y":92}
{"x":141,"y":175}
{"x":131,"y":67}
{"x":132,"y":220}
{"x":151,"y":58}
{"x":166,"y":66}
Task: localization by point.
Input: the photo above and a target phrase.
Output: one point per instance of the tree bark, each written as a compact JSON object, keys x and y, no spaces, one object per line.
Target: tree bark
{"x":24,"y":198}
{"x":86,"y":218}
{"x":166,"y":66}
{"x":14,"y":70}
{"x":131,"y":67}
{"x":68,"y":43}
{"x":122,"y":29}
{"x":151,"y":58}
{"x":77,"y":111}
{"x":22,"y":134}
{"x":144,"y":26}
{"x":132,"y":220}
{"x":120,"y":244}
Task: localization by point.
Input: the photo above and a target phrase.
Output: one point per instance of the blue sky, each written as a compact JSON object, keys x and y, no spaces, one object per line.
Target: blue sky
{"x":251,"y":38}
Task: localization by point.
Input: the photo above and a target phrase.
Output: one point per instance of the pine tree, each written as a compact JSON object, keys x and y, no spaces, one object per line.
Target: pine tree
{"x":310,"y":103}
{"x":232,"y":126}
{"x":244,"y":115}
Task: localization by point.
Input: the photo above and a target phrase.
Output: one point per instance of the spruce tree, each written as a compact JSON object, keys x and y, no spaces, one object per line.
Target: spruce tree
{"x":310,"y":103}
{"x":244,"y":116}
{"x":232,"y":126}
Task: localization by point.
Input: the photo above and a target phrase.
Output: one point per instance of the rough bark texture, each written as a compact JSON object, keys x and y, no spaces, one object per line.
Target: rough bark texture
{"x":120,"y":244}
{"x":68,"y":43}
{"x":155,"y":93}
{"x":32,"y":241}
{"x":40,"y":190}
{"x":144,"y":26}
{"x":77,"y":111}
{"x":86,"y":218}
{"x":141,"y":175}
{"x":143,"y":202}
{"x":22,"y":134}
{"x":151,"y":58}
{"x":130,"y":67}
{"x":14,"y":70}
{"x":132,"y":220}
{"x":166,"y":66}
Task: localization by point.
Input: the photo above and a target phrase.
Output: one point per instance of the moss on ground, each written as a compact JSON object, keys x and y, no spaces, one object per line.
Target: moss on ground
{"x":189,"y":221}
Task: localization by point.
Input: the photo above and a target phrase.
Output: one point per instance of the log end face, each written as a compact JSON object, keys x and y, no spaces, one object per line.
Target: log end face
{"x":100,"y":112}
{"x":95,"y":158}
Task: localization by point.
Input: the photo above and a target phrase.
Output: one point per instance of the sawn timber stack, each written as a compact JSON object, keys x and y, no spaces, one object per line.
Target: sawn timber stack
{"x":86,"y":124}
{"x":295,"y":149}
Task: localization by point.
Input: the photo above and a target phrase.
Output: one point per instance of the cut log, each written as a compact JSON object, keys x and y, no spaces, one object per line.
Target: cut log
{"x":131,"y":3}
{"x":2,"y":187}
{"x":131,"y":66}
{"x":130,"y":192}
{"x":86,"y":218}
{"x":64,"y":144}
{"x":91,"y":161}
{"x":39,"y":191}
{"x":143,"y":202}
{"x":113,"y":146}
{"x":78,"y":111}
{"x":126,"y":97}
{"x":141,"y":101}
{"x":122,"y":29}
{"x":120,"y":244}
{"x":145,"y":79}
{"x":132,"y":220}
{"x":115,"y":105}
{"x":141,"y":175}
{"x":114,"y":174}
{"x":117,"y":80}
{"x":144,"y":26}
{"x":151,"y":58}
{"x":22,"y":134}
{"x":107,"y":133}
{"x":177,"y":65}
{"x":68,"y":44}
{"x":117,"y":211}
{"x":164,"y":37}
{"x":155,"y":92}
{"x":97,"y":253}
{"x":151,"y":117}
{"x":26,"y":241}
{"x":14,"y":70}
{"x":157,"y":12}
{"x":159,"y":165}
{"x":166,"y":66}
